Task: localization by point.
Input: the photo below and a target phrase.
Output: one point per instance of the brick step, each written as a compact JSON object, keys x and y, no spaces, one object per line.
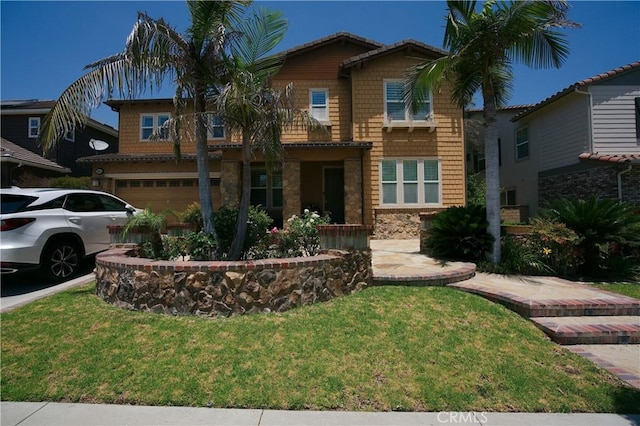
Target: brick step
{"x":605,"y":304}
{"x":589,"y":330}
{"x":428,"y":278}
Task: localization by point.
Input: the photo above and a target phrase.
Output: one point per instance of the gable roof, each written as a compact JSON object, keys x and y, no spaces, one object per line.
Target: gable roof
{"x":12,"y":153}
{"x":341,"y":36}
{"x":36,"y":106}
{"x":411,"y":45}
{"x":587,"y":81}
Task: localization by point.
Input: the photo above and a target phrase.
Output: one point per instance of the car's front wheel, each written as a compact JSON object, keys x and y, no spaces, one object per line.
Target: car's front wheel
{"x":60,"y":260}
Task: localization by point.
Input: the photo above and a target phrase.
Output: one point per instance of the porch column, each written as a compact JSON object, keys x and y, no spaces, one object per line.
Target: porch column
{"x":352,"y":190}
{"x":291,"y":188}
{"x":230,"y":181}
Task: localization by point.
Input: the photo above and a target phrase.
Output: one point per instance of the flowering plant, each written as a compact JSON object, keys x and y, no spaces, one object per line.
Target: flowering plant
{"x":300,"y":238}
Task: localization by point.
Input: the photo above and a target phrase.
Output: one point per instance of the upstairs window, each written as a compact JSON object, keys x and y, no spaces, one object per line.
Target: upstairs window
{"x":153,"y":126}
{"x":410,"y":182}
{"x":395,"y":107}
{"x":522,"y":143}
{"x":34,"y":127}
{"x":319,"y":104}
{"x":215,"y":127}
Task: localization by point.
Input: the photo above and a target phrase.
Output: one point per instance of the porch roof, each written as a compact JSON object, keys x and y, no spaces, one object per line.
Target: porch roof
{"x":300,"y":145}
{"x":610,"y":158}
{"x":117,"y":158}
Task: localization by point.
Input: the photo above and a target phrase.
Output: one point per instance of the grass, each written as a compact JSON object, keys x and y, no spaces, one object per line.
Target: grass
{"x":631,"y":289}
{"x":386,"y":348}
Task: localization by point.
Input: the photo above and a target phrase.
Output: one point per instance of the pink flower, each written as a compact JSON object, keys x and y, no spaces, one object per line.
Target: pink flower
{"x":274,"y":230}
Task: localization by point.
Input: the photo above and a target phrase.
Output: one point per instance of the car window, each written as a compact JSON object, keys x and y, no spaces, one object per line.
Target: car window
{"x":111,"y":204}
{"x":11,"y":203}
{"x":83,"y":203}
{"x":53,"y":204}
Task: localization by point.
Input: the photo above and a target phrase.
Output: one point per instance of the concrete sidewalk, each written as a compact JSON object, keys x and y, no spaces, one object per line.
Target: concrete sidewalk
{"x":48,"y":413}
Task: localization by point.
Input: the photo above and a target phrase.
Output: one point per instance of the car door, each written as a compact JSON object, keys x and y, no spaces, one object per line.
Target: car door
{"x":90,"y":214}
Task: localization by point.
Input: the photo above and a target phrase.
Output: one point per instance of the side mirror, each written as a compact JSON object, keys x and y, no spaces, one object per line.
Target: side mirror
{"x":130,"y":209}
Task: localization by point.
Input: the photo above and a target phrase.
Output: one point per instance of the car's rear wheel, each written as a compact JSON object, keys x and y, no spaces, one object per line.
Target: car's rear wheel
{"x":60,"y":260}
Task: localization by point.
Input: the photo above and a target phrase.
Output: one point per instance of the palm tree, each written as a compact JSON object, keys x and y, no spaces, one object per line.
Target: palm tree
{"x":483,"y":45}
{"x":154,"y":51}
{"x":251,"y":107}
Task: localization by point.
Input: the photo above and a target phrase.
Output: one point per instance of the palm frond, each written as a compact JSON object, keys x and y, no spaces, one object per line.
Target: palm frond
{"x":258,"y":35}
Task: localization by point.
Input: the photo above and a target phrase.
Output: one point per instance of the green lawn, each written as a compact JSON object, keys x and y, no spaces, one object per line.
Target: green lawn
{"x":631,"y":289}
{"x":386,"y":348}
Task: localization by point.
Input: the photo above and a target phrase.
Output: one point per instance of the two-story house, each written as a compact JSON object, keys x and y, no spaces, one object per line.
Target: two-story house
{"x":378,"y":165}
{"x":21,"y":121}
{"x":582,"y":141}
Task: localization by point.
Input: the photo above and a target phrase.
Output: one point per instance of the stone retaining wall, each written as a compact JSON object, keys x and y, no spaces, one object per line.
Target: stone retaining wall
{"x":229,"y":288}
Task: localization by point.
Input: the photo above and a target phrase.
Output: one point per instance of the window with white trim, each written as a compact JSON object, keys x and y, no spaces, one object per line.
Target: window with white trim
{"x":154,"y":125}
{"x":395,"y":109}
{"x":215,"y":126}
{"x":34,"y":127}
{"x":410,"y":182}
{"x":266,"y":188}
{"x":522,"y":143}
{"x":319,"y":104}
{"x":508,"y":197}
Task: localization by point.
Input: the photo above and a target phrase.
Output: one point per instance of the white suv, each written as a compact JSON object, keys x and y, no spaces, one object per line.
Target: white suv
{"x":54,"y":229}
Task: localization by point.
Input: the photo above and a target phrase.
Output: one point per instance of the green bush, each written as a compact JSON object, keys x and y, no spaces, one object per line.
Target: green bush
{"x":225,"y":223}
{"x":192,"y":215}
{"x":201,"y":246}
{"x":603,"y":226}
{"x":69,"y":182}
{"x":556,"y":244}
{"x":460,"y":233}
{"x":153,"y":222}
{"x":519,"y":256}
{"x":476,"y":190}
{"x":301,"y":238}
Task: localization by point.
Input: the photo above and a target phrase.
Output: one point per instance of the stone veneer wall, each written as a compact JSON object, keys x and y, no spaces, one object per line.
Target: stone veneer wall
{"x":599,"y":181}
{"x":400,"y":224}
{"x":229,"y":288}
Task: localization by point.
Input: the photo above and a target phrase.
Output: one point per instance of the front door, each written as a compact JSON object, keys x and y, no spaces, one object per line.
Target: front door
{"x":333,"y":189}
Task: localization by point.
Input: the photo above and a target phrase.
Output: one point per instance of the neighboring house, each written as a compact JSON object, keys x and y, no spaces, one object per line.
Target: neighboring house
{"x":518,"y":181}
{"x":582,"y":141}
{"x":21,"y":167}
{"x":380,"y":165}
{"x":21,"y":121}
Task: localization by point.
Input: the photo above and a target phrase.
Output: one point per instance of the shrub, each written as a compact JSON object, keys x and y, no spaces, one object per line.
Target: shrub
{"x":601,"y":225}
{"x":476,"y":190}
{"x":460,"y":233}
{"x":153,"y":222}
{"x":518,"y":257}
{"x":192,"y":215}
{"x":301,"y":237}
{"x":556,"y":244}
{"x":225,"y":224}
{"x":200,"y":246}
{"x":69,"y":182}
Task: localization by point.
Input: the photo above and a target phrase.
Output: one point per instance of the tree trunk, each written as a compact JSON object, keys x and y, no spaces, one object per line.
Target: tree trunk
{"x":492,"y":155}
{"x":235,"y":252}
{"x":202,"y":161}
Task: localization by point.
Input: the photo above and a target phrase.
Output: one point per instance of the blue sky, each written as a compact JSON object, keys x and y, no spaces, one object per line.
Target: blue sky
{"x":45,"y":45}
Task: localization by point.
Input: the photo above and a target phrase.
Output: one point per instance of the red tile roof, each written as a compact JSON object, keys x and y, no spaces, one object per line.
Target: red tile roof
{"x":610,"y":158}
{"x":574,"y":86}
